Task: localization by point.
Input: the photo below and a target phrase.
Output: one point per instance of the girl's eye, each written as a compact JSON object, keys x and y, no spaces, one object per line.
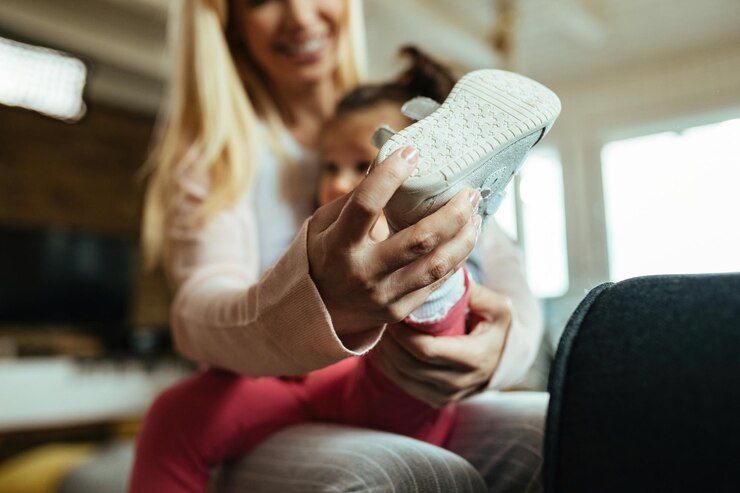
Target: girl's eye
{"x":363,"y":167}
{"x":331,"y":169}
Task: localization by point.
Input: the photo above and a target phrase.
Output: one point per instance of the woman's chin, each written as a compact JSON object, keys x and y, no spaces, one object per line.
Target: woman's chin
{"x":309,"y":75}
{"x":312,"y":75}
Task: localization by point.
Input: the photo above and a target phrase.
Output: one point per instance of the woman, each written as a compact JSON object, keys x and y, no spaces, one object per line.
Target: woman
{"x":234,"y":181}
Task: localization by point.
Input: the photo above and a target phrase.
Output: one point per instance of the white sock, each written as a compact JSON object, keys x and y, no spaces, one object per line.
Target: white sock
{"x":442,"y":299}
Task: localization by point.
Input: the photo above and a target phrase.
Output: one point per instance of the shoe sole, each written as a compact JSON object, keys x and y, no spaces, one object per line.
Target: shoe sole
{"x":486,"y":112}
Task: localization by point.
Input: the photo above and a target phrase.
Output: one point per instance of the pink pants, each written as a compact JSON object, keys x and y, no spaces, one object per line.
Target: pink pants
{"x":216,"y":415}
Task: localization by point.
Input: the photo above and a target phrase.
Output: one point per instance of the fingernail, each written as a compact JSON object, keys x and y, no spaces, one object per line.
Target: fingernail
{"x":411,"y":155}
{"x":474,"y":197}
{"x":477,"y":221}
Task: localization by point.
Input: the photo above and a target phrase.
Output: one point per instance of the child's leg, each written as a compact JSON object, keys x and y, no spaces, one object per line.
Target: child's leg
{"x":443,"y":313}
{"x":369,"y":399}
{"x":205,"y":420}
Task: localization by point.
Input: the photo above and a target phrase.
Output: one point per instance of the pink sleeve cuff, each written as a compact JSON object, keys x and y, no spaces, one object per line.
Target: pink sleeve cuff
{"x":312,"y":322}
{"x":276,"y":326}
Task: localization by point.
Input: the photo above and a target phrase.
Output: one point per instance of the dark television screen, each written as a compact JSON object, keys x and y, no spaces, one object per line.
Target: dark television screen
{"x":64,"y":276}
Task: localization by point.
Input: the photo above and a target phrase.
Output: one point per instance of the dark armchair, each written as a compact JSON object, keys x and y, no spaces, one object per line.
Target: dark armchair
{"x":645,"y":389}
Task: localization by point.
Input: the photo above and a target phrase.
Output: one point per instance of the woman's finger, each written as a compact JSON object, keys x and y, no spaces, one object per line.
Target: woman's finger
{"x":424,"y":380}
{"x":434,"y":230}
{"x":326,"y":215}
{"x":420,"y":346}
{"x":447,"y":380}
{"x":368,"y":199}
{"x":388,"y":357}
{"x":488,"y":304}
{"x":437,"y":265}
{"x":411,"y":301}
{"x":424,"y":392}
{"x":469,"y":352}
{"x":462,"y":394}
{"x":441,"y":384}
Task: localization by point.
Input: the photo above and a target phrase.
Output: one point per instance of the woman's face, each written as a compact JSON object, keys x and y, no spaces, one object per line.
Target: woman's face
{"x":293,"y":41}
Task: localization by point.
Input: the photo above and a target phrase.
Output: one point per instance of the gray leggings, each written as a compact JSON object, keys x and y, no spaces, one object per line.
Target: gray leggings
{"x":495,"y":446}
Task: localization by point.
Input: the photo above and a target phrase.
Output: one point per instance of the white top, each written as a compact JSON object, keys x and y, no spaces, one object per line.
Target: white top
{"x":283,"y":196}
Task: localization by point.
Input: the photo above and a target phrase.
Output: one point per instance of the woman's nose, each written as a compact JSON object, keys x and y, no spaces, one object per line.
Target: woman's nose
{"x":301,"y":13}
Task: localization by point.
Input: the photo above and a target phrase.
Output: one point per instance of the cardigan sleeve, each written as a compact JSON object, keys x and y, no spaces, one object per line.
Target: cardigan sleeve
{"x":503,"y":272}
{"x":224,"y":315}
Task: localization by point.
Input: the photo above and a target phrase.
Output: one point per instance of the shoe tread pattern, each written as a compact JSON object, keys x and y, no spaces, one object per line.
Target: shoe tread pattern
{"x":486,"y":110}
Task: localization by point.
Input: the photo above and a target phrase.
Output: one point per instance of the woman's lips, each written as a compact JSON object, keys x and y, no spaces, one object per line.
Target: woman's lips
{"x":304,"y":51}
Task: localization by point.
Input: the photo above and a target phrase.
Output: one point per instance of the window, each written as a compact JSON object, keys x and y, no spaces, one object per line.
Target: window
{"x":543,"y":223}
{"x":506,"y":214}
{"x":672,"y":201}
{"x":543,"y":240}
{"x":42,"y":80}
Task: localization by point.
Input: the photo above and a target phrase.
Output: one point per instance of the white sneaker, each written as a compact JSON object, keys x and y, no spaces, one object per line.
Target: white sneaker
{"x":477,"y":138}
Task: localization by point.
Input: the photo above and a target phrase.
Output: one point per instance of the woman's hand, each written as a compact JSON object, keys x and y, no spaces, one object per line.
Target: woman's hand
{"x":440,"y":370}
{"x":366,"y":283}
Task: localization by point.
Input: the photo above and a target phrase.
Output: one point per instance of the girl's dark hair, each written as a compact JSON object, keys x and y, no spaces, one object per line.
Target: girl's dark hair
{"x":424,"y":77}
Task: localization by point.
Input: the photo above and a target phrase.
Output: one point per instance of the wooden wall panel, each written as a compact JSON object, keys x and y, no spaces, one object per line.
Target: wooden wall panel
{"x":83,"y":176}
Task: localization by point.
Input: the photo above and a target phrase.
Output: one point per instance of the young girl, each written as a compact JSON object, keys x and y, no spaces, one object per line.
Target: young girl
{"x":353,"y":391}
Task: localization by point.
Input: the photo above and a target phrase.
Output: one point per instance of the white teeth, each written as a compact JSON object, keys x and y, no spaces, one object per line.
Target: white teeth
{"x":307,"y":47}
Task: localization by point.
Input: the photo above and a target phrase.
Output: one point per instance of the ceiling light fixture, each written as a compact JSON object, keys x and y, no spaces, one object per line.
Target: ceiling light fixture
{"x":41,"y":79}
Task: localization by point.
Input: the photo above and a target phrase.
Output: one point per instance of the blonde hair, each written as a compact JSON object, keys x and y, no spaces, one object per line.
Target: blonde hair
{"x":217,"y":98}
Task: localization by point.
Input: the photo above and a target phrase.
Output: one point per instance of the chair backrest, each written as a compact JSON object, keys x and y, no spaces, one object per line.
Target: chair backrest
{"x":645,"y":389}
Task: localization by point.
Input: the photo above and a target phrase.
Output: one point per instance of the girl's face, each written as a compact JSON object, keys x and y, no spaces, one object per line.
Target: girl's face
{"x":293,"y":41}
{"x":346,"y":150}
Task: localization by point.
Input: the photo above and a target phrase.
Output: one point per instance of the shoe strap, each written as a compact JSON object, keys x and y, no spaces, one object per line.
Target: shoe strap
{"x":419,"y":107}
{"x":382,"y":134}
{"x":416,"y":109}
{"x":490,"y":201}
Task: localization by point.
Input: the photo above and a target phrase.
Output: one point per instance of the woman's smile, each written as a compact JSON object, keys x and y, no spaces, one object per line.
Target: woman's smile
{"x":307,"y":49}
{"x":294,"y":42}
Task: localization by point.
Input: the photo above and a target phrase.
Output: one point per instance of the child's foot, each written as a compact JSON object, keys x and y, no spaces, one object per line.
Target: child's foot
{"x":477,"y":138}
